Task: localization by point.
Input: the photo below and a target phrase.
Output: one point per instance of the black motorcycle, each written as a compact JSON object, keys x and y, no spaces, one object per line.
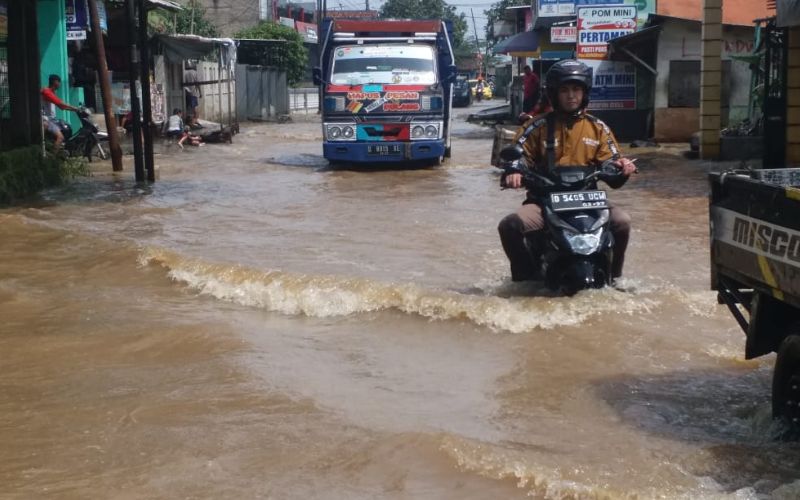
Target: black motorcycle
{"x":577,"y":249}
{"x":87,"y":141}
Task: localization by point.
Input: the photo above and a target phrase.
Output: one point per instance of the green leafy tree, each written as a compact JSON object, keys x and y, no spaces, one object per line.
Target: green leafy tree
{"x":296,"y":57}
{"x":191,"y":20}
{"x":497,"y":13}
{"x":427,"y":9}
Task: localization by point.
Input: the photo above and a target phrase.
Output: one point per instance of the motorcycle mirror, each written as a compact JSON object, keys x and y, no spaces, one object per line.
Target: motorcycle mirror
{"x":511,"y":153}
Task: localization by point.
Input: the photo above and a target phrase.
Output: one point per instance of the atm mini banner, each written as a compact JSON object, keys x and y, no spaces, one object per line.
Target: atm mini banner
{"x":613,"y":85}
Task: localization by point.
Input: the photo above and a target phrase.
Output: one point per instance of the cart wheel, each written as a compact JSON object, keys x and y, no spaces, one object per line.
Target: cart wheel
{"x":786,"y":381}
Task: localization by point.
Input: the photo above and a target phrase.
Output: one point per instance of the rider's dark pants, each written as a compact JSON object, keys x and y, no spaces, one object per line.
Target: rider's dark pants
{"x":528,"y":221}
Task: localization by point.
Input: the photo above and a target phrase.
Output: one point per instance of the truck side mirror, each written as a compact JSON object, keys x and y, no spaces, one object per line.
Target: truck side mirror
{"x":450,"y":73}
{"x":316,"y":74}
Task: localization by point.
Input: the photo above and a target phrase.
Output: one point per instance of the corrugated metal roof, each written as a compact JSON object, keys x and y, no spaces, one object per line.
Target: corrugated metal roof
{"x":164,"y":4}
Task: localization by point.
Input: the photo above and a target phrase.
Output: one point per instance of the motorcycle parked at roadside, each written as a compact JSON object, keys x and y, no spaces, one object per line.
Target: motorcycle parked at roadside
{"x":87,"y":141}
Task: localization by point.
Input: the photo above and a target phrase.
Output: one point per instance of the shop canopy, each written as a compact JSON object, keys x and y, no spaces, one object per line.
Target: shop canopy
{"x":522,"y":44}
{"x":179,"y":48}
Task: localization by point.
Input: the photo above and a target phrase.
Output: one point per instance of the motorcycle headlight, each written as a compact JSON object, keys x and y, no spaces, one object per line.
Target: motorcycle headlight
{"x":584,"y":243}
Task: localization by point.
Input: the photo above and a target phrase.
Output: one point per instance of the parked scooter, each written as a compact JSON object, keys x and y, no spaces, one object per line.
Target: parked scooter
{"x":87,"y":141}
{"x":577,"y":248}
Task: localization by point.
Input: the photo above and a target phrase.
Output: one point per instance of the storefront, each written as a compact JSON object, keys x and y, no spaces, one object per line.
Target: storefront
{"x":20,"y":110}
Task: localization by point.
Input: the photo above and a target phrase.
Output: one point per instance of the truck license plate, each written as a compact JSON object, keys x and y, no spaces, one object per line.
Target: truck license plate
{"x":384,"y":149}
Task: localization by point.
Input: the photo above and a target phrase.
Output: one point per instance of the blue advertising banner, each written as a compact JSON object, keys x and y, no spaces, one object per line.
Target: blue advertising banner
{"x":77,"y":14}
{"x":614,"y":85}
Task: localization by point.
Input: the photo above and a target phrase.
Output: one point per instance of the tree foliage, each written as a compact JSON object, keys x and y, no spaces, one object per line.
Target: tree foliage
{"x":497,"y":13}
{"x":296,"y":58}
{"x":427,"y":9}
{"x":192,"y":20}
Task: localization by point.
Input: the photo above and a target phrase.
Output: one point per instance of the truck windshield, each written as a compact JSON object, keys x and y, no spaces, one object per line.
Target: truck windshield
{"x":386,"y":64}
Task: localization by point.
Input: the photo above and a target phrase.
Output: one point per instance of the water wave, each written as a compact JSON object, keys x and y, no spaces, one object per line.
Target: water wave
{"x":325,"y":296}
{"x":539,"y":482}
{"x":549,"y":482}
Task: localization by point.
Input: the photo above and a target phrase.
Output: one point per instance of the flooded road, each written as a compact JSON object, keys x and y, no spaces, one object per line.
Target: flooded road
{"x":258,"y":325}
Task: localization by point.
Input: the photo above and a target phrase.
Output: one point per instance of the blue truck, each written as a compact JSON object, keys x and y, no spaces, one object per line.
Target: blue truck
{"x":386,"y":89}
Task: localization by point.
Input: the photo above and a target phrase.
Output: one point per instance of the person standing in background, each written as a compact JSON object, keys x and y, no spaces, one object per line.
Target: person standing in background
{"x":192,"y":90}
{"x":530,"y":88}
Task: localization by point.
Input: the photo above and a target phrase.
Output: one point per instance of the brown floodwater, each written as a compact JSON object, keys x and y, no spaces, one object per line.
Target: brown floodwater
{"x":258,"y":325}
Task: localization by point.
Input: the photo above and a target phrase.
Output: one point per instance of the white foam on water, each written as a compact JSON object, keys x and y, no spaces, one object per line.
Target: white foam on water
{"x":325,"y":296}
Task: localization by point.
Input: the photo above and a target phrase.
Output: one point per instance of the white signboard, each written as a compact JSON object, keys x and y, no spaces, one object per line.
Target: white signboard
{"x":555,"y":8}
{"x":563,"y":34}
{"x":76,"y":35}
{"x":597,"y":25}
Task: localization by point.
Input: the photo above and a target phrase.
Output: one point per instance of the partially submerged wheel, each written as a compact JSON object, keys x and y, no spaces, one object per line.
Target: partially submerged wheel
{"x":786,"y":381}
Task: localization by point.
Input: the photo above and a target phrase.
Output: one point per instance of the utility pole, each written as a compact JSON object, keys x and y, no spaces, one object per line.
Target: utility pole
{"x":191,"y":28}
{"x":367,"y":5}
{"x":147,"y":109}
{"x":105,"y":87}
{"x":477,"y":44}
{"x":133,"y":74}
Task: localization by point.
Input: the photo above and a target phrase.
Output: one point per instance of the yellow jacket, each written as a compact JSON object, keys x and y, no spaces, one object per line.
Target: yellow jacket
{"x":585,"y":141}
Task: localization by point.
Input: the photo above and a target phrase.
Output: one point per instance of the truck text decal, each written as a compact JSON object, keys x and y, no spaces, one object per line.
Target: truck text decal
{"x":777,"y":241}
{"x":756,"y":236}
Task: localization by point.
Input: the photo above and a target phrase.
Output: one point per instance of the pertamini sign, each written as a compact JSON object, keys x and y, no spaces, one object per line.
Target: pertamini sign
{"x":598,"y":25}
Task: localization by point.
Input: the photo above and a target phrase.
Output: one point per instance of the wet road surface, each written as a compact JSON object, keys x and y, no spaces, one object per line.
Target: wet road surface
{"x":259,"y":325}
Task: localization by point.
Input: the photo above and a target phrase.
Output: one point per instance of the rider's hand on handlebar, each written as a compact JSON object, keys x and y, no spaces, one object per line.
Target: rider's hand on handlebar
{"x":626,"y":166}
{"x":513,"y":181}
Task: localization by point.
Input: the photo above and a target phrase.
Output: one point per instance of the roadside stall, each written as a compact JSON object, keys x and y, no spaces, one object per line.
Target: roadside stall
{"x":212,"y":62}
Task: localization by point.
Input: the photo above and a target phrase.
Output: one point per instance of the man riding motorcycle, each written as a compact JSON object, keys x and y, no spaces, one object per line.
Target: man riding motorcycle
{"x":575,"y":138}
{"x":49,"y":103}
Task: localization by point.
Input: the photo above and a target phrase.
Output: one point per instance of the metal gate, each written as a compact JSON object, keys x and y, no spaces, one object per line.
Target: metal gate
{"x":261,"y":92}
{"x":775,"y":72}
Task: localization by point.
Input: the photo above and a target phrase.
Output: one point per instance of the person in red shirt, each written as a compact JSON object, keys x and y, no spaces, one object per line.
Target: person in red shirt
{"x":530,"y":88}
{"x":49,"y":102}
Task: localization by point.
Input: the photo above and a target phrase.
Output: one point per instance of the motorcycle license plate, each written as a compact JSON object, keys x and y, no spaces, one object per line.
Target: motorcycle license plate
{"x":384,"y":149}
{"x":578,"y":200}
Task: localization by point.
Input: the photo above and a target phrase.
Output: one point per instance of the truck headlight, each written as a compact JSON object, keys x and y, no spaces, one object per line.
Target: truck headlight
{"x":584,"y":243}
{"x":425,"y":130}
{"x":340,"y":132}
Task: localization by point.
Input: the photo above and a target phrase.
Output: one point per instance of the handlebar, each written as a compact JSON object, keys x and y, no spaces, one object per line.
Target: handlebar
{"x":607,"y":172}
